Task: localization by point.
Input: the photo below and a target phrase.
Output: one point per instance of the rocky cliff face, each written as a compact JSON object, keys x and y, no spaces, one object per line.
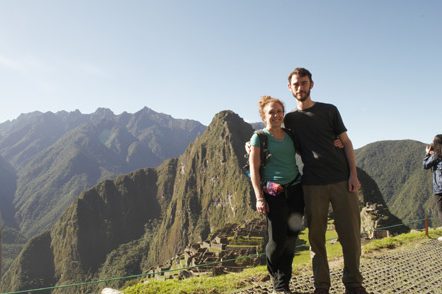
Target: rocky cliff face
{"x":33,"y":268}
{"x":8,"y":187}
{"x":210,"y":189}
{"x":103,"y":218}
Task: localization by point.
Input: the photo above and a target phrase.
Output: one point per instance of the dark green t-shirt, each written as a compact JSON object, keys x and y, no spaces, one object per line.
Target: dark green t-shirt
{"x":315,"y":130}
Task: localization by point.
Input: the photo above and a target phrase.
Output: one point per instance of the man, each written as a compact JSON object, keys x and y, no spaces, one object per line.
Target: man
{"x":329,"y":176}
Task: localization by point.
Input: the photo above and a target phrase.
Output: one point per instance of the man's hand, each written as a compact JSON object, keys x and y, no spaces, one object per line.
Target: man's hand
{"x":338,"y":143}
{"x":353,"y":183}
{"x":248,"y":147}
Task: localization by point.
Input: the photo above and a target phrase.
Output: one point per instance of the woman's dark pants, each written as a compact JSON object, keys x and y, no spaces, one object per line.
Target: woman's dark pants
{"x":284,"y":222}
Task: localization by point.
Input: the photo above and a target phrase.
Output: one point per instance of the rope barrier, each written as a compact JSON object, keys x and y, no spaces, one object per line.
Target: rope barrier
{"x":162,"y":272}
{"x":400,"y":225}
{"x":131,"y":276}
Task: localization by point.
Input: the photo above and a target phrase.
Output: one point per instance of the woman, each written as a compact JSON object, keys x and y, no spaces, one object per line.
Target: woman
{"x":278,"y":192}
{"x":433,"y":160}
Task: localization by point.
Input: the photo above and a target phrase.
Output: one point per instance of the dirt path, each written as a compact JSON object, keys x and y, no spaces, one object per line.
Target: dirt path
{"x":414,"y":269}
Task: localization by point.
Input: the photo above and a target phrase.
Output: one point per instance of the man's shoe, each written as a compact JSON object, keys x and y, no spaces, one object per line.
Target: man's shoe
{"x":321,"y":291}
{"x":355,"y":290}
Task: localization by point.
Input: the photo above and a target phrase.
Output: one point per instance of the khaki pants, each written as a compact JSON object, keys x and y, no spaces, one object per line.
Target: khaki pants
{"x":347,"y":223}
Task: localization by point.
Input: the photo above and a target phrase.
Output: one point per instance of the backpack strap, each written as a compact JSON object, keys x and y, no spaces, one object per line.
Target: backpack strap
{"x":264,"y":153}
{"x":263,"y":147}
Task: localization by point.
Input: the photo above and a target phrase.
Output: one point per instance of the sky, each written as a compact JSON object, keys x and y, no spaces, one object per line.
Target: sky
{"x":379,"y":62}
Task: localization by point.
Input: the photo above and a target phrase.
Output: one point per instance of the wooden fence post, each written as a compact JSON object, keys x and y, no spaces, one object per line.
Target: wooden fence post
{"x":426,"y":226}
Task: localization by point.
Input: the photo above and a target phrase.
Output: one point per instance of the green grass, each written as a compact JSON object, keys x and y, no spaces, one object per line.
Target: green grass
{"x":219,"y":284}
{"x":232,"y":282}
{"x":399,"y":240}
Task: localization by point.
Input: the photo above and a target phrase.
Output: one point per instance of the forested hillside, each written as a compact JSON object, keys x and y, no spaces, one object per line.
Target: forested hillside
{"x":396,"y":167}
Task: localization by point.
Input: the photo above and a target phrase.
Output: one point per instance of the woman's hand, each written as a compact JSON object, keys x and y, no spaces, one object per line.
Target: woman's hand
{"x":429,"y":149}
{"x":262,"y":206}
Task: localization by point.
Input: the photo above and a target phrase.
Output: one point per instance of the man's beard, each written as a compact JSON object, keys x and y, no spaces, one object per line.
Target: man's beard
{"x":304,"y":96}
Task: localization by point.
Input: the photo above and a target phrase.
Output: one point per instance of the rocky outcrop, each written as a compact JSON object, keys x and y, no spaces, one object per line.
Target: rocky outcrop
{"x":376,"y":218}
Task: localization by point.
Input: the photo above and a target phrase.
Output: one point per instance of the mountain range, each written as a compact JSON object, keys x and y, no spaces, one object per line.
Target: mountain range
{"x":128,"y":224}
{"x":48,"y":159}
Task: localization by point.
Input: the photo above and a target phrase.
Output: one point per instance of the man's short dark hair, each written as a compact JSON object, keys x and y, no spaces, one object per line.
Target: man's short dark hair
{"x":300,"y":72}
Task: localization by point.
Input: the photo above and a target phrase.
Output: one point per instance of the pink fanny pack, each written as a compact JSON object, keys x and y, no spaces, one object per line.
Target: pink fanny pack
{"x":273,"y":188}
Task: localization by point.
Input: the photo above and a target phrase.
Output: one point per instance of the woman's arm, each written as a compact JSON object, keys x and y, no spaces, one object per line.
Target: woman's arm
{"x":429,"y":161}
{"x":255,"y":162}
